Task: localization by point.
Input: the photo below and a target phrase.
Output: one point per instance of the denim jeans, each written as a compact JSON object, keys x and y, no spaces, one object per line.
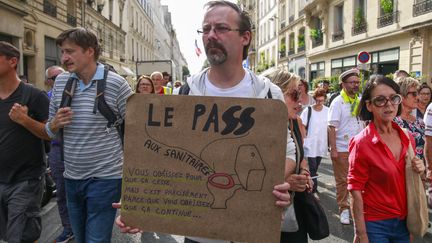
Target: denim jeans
{"x":387,"y":231}
{"x":90,"y":211}
{"x":57,"y":169}
{"x":313,"y":168}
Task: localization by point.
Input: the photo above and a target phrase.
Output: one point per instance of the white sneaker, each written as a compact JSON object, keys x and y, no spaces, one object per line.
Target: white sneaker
{"x":345,"y":217}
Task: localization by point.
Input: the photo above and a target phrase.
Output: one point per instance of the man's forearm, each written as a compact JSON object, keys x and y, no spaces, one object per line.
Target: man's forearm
{"x":332,"y":137}
{"x":36,"y":128}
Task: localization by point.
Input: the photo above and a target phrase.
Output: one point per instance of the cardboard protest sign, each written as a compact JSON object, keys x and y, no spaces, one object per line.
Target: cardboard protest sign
{"x":204,"y":166}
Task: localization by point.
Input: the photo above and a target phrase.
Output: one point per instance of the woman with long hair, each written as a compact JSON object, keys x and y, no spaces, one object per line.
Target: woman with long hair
{"x":299,"y":180}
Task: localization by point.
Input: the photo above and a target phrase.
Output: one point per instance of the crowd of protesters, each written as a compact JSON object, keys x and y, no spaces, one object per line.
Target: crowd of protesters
{"x":365,"y":139}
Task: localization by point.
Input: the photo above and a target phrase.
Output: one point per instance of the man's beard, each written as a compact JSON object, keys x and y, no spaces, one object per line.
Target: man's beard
{"x":218,"y":58}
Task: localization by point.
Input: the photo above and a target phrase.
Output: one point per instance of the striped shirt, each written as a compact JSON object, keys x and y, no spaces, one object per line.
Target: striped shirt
{"x":89,"y":150}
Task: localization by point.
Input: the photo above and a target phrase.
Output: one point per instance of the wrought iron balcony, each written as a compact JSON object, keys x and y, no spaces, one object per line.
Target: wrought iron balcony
{"x":317,"y":42}
{"x":422,"y":8}
{"x":291,"y":18}
{"x":300,"y":49}
{"x":358,"y":29}
{"x":49,"y":8}
{"x":282,"y":54}
{"x":388,"y":19}
{"x":338,"y":35}
{"x":291,"y":52}
{"x":71,"y":20}
{"x":301,"y":12}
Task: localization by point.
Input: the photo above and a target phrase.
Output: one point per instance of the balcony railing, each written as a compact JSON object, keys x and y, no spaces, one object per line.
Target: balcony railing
{"x":356,"y":30}
{"x":291,"y":52}
{"x":300,"y":48}
{"x":282,"y":54}
{"x":282,"y":25}
{"x":388,"y":19}
{"x":301,"y":12}
{"x":422,"y":8}
{"x":317,"y":42}
{"x":49,"y":8}
{"x":291,"y":18}
{"x":339,"y":35}
{"x":71,"y":20}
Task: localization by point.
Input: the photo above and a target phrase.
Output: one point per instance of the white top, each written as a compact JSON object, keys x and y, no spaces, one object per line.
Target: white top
{"x":347,"y":125}
{"x":428,"y":120}
{"x":315,"y":143}
{"x":241,"y":90}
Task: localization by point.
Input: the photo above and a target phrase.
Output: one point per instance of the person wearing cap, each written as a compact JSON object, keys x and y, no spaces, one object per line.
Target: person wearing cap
{"x":343,"y":124}
{"x":400,"y":73}
{"x":22,"y":157}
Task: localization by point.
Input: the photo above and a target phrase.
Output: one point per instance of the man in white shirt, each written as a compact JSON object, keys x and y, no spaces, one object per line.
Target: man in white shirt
{"x":226,"y":34}
{"x":343,"y":124}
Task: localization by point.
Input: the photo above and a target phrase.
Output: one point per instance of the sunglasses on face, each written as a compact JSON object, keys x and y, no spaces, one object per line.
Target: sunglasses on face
{"x":293,"y":94}
{"x":53,"y":78}
{"x":413,"y":93}
{"x":380,"y":101}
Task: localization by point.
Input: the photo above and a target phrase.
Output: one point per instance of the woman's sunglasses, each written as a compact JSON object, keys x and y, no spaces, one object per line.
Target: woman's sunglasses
{"x":380,"y":101}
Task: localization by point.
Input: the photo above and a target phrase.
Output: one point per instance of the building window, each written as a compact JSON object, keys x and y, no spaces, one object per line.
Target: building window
{"x":71,"y":13}
{"x":422,"y":7}
{"x":291,"y":44}
{"x":340,"y":65}
{"x":388,"y":13}
{"x":50,"y":7}
{"x":385,"y":62}
{"x":52,"y":53}
{"x":338,"y":33}
{"x":317,"y":70}
{"x":316,"y":34}
{"x":359,"y":20}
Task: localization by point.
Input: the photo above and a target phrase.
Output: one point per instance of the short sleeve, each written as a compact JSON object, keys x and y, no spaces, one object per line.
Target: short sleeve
{"x":303,"y":116}
{"x":334,"y":113}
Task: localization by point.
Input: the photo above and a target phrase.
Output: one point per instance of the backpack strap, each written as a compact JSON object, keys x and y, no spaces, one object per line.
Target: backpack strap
{"x":68,"y":92}
{"x":26,"y":93}
{"x":184,"y":89}
{"x":269,"y":94}
{"x":308,"y":117}
{"x":101,"y":105}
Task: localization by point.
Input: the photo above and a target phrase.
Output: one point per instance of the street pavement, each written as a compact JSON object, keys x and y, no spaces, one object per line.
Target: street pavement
{"x":326,"y":187}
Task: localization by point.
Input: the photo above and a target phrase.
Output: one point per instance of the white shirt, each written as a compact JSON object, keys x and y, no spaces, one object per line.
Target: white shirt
{"x":346,"y":125}
{"x":315,"y":143}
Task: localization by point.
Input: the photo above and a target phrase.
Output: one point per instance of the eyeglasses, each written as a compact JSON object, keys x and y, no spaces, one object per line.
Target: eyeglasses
{"x":425,"y":93}
{"x":413,"y":93}
{"x":53,"y":77}
{"x":353,"y":82}
{"x":220,"y":29}
{"x":380,"y":101}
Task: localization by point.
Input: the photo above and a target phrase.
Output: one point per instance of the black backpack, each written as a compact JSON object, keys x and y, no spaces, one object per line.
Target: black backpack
{"x":100,"y":104}
{"x":27,"y":92}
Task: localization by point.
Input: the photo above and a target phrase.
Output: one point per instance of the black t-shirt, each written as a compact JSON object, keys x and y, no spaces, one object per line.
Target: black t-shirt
{"x":21,"y":153}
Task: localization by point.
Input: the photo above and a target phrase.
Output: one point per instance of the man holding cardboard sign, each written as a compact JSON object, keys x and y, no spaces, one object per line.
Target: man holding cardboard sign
{"x":226,"y":35}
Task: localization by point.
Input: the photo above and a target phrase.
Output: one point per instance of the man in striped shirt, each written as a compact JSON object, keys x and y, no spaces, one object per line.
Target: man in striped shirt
{"x":93,"y":156}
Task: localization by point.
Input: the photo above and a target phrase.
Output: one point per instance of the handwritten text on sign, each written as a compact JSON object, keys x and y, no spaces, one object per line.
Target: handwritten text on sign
{"x":204,"y":166}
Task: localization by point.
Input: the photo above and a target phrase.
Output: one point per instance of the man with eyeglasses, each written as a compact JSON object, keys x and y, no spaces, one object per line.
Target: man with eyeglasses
{"x":57,"y":165}
{"x":343,"y":124}
{"x":226,"y":34}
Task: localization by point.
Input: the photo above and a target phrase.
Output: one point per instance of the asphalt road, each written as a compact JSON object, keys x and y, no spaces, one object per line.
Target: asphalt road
{"x":326,"y":183}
